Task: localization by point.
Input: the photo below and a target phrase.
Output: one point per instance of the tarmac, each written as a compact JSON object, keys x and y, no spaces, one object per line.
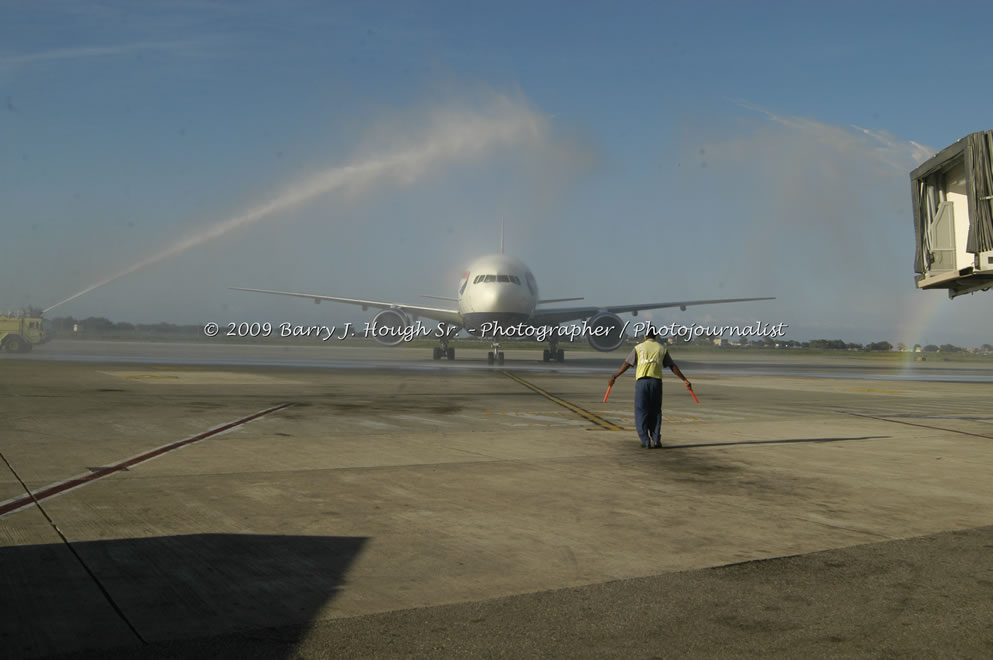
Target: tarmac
{"x":198,"y":500}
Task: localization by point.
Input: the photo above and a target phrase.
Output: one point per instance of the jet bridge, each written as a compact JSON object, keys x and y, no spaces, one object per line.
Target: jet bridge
{"x":953,"y":217}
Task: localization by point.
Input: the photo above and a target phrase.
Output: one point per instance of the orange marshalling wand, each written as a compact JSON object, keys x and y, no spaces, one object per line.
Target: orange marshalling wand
{"x":607,"y":394}
{"x":690,"y":388}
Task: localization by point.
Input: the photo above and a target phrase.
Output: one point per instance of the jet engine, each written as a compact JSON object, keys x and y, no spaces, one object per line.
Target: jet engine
{"x":389,"y":326}
{"x":605,"y":331}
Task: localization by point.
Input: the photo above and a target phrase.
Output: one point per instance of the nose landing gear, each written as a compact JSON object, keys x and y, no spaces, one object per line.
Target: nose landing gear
{"x":496,"y":355}
{"x":443,"y":351}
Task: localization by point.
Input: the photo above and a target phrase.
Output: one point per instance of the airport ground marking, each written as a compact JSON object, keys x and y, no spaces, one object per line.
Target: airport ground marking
{"x":923,"y":426}
{"x":93,"y":576}
{"x":582,"y":412}
{"x":34,"y":497}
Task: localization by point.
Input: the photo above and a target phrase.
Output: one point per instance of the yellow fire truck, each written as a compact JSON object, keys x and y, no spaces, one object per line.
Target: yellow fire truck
{"x":18,"y":333}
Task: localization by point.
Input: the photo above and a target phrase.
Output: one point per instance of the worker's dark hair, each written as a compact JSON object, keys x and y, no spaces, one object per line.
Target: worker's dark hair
{"x":651,"y":332}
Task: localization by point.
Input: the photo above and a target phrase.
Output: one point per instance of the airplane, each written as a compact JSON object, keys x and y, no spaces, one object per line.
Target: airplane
{"x":500,"y":291}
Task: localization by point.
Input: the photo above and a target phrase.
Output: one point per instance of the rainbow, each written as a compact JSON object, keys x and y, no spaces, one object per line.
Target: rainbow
{"x":918,"y":319}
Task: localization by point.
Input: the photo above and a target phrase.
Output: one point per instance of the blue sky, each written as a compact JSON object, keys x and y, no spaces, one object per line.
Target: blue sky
{"x":688,"y":150}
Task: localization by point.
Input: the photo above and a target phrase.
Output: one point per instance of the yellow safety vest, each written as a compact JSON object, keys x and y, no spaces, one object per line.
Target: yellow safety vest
{"x":650,"y":355}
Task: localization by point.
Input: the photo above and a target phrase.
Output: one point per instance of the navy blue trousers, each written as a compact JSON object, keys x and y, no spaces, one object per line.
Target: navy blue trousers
{"x":648,"y":410}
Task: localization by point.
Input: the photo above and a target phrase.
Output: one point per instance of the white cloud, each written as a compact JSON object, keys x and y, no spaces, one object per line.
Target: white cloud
{"x":184,"y":47}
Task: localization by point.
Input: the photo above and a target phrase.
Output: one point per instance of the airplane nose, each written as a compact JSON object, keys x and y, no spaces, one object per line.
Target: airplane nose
{"x":504,"y":298}
{"x":499,"y":297}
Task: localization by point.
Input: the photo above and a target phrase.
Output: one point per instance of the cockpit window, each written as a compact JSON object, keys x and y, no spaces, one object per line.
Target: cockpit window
{"x":532,"y":285}
{"x":509,"y":279}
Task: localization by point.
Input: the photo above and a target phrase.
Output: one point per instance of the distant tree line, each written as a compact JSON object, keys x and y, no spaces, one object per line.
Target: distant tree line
{"x":98,"y":325}
{"x":841,"y":345}
{"x":838,"y":344}
{"x":949,"y":348}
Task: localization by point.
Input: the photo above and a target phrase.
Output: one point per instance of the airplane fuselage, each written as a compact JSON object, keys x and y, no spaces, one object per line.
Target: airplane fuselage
{"x":496,"y":288}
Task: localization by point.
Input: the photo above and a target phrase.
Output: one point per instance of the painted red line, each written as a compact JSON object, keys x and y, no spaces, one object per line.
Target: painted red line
{"x":76,"y":482}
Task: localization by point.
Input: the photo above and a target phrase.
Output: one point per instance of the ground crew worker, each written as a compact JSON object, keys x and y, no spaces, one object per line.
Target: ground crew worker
{"x":649,"y":357}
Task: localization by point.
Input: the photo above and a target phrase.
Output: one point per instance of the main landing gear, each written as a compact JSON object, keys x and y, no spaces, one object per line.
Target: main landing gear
{"x":496,"y":355}
{"x":443,"y":351}
{"x":553,"y":353}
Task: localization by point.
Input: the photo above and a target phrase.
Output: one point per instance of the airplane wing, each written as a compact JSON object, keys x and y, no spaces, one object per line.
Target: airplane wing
{"x":435,"y":313}
{"x":563,"y":314}
{"x":554,"y":300}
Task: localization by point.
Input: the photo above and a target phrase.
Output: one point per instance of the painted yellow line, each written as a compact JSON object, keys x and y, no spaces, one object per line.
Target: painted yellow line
{"x":871,"y":389}
{"x":585,"y":414}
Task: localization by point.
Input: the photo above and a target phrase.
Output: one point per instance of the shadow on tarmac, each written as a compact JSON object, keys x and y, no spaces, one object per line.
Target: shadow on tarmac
{"x":165,"y":588}
{"x":773,"y":442}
